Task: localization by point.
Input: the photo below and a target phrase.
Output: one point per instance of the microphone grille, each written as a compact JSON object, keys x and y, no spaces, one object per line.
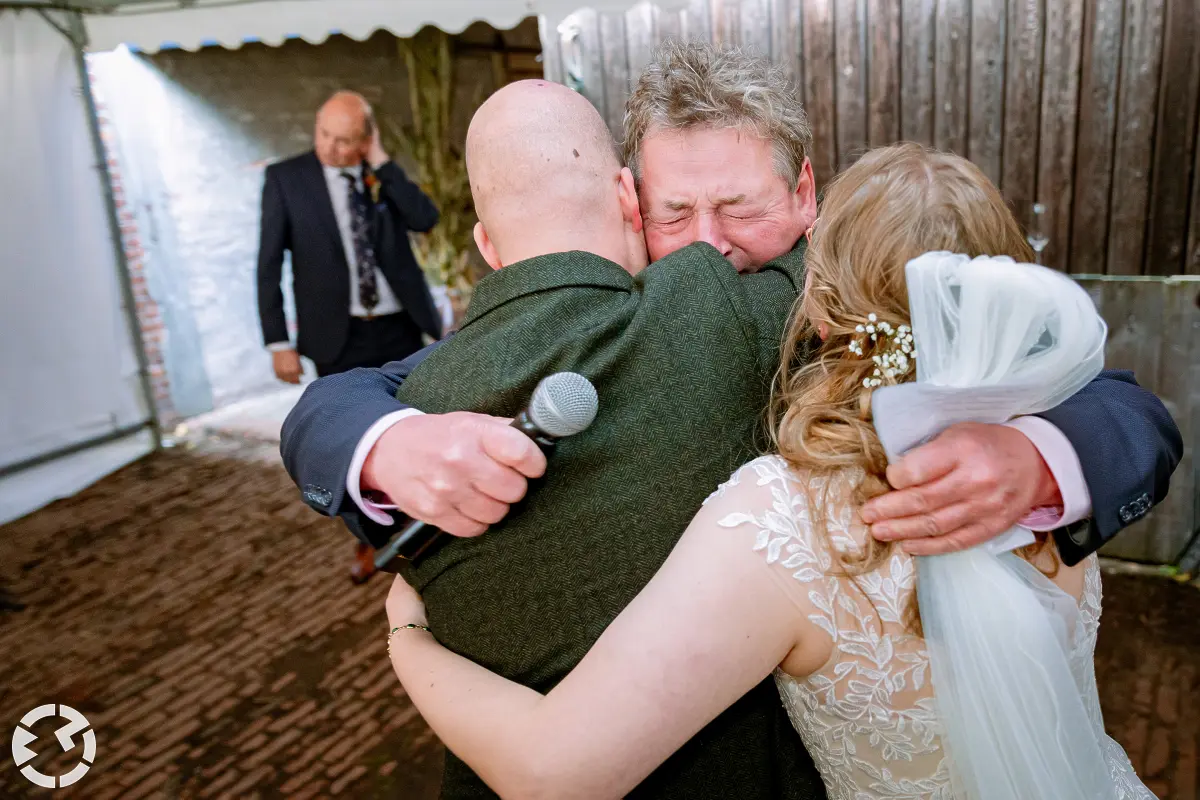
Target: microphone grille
{"x":563,"y":404}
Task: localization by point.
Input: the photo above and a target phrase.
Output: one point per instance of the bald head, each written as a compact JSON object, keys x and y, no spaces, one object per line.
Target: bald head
{"x":543,"y":169}
{"x":343,"y":130}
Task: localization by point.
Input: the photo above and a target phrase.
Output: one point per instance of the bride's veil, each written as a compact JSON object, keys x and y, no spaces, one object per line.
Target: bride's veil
{"x":996,"y":339}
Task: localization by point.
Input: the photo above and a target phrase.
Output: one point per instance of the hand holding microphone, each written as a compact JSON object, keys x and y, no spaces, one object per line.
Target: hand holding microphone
{"x":465,"y":456}
{"x":459,"y":471}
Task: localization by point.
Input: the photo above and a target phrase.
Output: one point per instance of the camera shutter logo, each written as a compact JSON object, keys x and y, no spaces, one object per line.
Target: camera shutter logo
{"x":76,"y":723}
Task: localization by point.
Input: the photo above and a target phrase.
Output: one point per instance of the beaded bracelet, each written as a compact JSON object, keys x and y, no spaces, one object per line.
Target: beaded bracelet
{"x":412,"y":626}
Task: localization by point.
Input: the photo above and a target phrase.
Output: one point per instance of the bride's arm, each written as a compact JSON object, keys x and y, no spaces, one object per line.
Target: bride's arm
{"x":711,"y":624}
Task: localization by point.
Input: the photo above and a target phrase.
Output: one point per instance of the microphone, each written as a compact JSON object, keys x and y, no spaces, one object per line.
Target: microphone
{"x":563,"y":404}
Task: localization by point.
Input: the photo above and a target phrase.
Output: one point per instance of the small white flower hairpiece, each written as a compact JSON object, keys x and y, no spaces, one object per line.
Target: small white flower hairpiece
{"x":897,"y":357}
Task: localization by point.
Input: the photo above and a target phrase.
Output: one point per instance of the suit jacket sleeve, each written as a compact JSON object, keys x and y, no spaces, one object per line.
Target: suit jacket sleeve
{"x":1128,"y":446}
{"x":274,"y":238}
{"x":319,"y":436}
{"x":416,"y":209}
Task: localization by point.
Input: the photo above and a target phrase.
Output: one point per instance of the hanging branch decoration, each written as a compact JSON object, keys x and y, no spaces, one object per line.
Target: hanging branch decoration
{"x":440,"y":167}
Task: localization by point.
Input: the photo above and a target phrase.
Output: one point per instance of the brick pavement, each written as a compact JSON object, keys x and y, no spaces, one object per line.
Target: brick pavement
{"x":201,"y":617}
{"x":1148,"y":669}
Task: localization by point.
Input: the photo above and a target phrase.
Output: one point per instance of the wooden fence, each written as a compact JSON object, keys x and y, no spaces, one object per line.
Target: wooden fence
{"x":1088,"y":106}
{"x":1154,"y":330}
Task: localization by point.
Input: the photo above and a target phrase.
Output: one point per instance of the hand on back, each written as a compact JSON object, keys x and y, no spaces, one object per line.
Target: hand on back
{"x":967,"y":486}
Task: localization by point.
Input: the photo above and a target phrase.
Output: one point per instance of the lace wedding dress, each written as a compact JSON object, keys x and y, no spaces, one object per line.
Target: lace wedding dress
{"x":869,"y":716}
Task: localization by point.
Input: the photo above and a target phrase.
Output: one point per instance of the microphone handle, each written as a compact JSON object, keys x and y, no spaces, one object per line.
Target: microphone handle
{"x":411,"y":542}
{"x":418,"y":539}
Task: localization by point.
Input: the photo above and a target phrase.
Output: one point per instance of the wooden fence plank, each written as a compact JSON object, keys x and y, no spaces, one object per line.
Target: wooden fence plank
{"x":850,"y":33}
{"x":552,"y":66}
{"x":1154,"y":329}
{"x":1137,"y":100}
{"x":1191,"y":264}
{"x":697,"y":21}
{"x":1022,"y":111}
{"x":726,"y":22}
{"x":883,"y":65}
{"x":985,"y":127}
{"x":614,"y":38}
{"x":785,"y":39}
{"x":952,"y":43}
{"x":641,"y":35}
{"x":754,"y":26}
{"x":668,"y":23}
{"x":583,"y":57}
{"x":1179,"y":354}
{"x":916,"y":70}
{"x":1175,"y":136}
{"x":1060,"y":99}
{"x":1100,"y":69}
{"x":818,"y":58}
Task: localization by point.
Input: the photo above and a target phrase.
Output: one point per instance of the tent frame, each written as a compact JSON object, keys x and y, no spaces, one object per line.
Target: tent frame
{"x":75,"y":32}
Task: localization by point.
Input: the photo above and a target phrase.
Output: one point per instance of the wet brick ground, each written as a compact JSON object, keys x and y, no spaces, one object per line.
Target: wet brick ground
{"x":201,"y":618}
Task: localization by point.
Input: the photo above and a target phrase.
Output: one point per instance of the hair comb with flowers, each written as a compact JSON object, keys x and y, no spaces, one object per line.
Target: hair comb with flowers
{"x":898,"y":355}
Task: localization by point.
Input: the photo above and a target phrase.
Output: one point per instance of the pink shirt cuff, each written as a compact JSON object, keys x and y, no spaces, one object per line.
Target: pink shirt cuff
{"x":377,"y":512}
{"x":1064,"y":465}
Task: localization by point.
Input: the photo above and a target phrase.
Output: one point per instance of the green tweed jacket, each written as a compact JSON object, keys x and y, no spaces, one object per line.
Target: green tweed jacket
{"x":682,"y":356}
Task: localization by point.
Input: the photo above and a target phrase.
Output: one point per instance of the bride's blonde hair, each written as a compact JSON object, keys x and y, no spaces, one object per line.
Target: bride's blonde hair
{"x":891,"y":206}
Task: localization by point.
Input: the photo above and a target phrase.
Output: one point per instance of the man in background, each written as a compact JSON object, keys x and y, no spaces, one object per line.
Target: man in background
{"x":344,"y":211}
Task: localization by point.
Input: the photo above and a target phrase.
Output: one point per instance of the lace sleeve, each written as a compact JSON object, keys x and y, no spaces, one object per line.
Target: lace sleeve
{"x":766,"y":502}
{"x":766,"y":497}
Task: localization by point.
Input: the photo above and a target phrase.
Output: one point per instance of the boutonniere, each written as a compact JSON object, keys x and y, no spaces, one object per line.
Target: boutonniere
{"x":371,"y":181}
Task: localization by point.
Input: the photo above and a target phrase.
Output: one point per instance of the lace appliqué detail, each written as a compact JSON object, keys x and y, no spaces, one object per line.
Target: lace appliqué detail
{"x":867,"y":716}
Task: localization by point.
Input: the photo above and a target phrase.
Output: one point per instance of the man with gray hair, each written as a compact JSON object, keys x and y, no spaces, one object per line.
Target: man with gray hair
{"x":344,"y":211}
{"x":718,"y":144}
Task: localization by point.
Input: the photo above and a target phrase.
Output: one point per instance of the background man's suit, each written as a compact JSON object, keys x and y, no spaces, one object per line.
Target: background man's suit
{"x":298,"y":215}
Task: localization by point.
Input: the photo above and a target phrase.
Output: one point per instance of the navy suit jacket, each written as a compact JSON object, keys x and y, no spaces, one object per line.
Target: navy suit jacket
{"x":1126,"y":441}
{"x":297,"y":215}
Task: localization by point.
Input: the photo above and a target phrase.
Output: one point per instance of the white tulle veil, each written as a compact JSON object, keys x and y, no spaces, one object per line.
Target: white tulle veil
{"x":994,"y":340}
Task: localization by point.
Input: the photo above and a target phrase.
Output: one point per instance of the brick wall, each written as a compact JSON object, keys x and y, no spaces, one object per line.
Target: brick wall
{"x":148,"y":314}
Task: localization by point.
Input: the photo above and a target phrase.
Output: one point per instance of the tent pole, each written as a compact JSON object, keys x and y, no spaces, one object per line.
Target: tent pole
{"x":72,"y":449}
{"x":79,"y":39}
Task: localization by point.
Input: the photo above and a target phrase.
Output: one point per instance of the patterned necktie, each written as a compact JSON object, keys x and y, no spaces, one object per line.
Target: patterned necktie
{"x":364,"y":253}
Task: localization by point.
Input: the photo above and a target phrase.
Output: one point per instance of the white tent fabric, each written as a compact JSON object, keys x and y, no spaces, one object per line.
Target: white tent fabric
{"x":70,"y":374}
{"x":272,"y":21}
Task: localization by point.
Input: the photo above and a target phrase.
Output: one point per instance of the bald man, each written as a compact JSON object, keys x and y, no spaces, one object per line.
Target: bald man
{"x":344,"y":211}
{"x":681,"y":353}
